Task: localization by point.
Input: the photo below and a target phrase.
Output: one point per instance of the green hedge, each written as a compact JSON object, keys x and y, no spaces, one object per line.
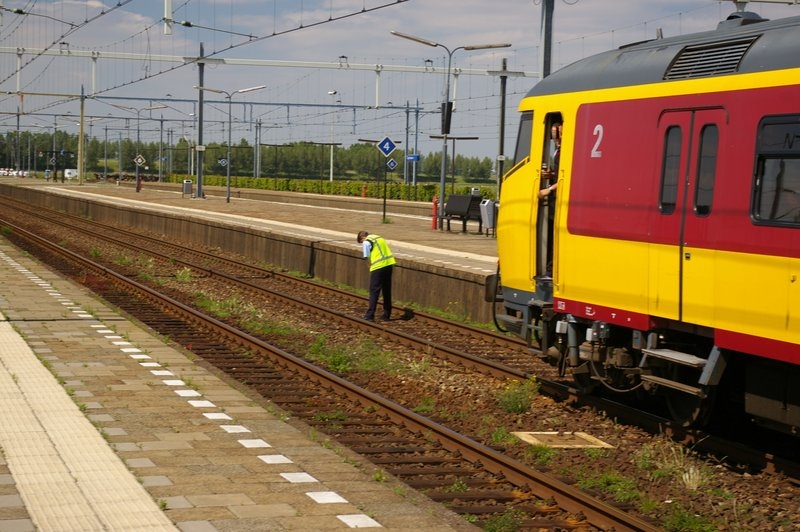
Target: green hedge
{"x":370,"y":189}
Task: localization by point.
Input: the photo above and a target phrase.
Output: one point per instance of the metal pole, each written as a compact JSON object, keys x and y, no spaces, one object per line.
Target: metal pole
{"x":138,"y":151}
{"x":547,"y":20}
{"x":81,"y":145}
{"x":332,"y":94}
{"x":228,"y":166}
{"x":443,"y":175}
{"x":453,"y":169}
{"x":405,"y":163}
{"x":201,"y":71}
{"x":161,"y":150}
{"x":500,"y":150}
{"x":105,"y":153}
{"x":416,"y":145}
{"x":119,"y":156}
{"x":55,"y":166}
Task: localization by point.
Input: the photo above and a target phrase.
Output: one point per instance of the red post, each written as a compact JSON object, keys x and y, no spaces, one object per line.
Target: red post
{"x":435,"y":212}
{"x":364,"y":190}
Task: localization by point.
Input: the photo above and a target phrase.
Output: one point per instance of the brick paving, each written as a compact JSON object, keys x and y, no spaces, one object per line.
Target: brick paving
{"x":108,"y":427}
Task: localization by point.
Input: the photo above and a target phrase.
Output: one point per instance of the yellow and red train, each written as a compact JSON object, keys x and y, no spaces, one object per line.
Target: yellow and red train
{"x":666,"y":259}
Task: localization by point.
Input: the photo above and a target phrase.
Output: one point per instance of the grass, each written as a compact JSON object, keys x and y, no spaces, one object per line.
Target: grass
{"x":184,"y":275}
{"x":516,"y":396}
{"x":540,"y":454}
{"x":501,"y":436}
{"x":458,"y":486}
{"x":222,"y":308}
{"x":361,"y":355}
{"x":665,"y":460}
{"x":425,"y":406}
{"x":682,"y":520}
{"x":508,"y":521}
{"x":337,"y":415}
{"x":623,"y":489}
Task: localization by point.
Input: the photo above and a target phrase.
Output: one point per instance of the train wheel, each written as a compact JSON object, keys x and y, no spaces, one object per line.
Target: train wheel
{"x":688,"y":409}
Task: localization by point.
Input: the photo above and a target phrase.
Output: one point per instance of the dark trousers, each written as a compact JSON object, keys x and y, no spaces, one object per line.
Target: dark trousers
{"x":380,"y":281}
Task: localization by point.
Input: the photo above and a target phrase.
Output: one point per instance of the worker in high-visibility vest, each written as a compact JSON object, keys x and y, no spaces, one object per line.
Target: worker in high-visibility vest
{"x":381,"y":264}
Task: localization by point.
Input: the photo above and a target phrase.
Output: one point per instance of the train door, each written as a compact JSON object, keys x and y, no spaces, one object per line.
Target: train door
{"x":546,"y":194}
{"x":689,"y":161}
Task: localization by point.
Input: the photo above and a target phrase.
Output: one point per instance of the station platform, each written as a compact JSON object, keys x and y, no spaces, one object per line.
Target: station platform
{"x":409,"y":227}
{"x":106,"y":427}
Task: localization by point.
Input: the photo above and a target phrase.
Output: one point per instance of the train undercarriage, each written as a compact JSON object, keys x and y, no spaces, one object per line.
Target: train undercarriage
{"x":620,"y":360}
{"x":682,"y":367}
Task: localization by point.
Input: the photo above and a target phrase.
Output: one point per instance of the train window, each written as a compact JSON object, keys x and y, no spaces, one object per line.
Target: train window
{"x":706,"y":169}
{"x":670,"y":168}
{"x":777,"y":181}
{"x":523,"y":147}
{"x":778,"y":193}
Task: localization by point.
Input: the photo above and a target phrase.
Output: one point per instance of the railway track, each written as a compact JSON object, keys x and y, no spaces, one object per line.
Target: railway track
{"x":345,"y":423}
{"x":421,"y":452}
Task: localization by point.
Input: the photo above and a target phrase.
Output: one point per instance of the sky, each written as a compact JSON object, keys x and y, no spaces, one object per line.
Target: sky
{"x":342,"y":76}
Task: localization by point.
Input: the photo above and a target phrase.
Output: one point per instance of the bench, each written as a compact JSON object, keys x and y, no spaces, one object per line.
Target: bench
{"x":463,"y":207}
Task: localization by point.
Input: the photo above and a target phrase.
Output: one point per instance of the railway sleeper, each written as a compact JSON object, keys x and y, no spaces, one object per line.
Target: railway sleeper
{"x":415,"y":460}
{"x":426,"y":470}
{"x":530,"y":509}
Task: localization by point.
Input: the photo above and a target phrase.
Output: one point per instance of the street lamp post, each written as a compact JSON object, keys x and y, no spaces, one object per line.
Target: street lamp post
{"x":447,"y":105}
{"x":332,"y":93}
{"x":229,"y":96}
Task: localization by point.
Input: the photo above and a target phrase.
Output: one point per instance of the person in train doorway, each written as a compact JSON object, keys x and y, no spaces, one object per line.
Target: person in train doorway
{"x":381,"y":265}
{"x":552,"y":171}
{"x":549,"y":192}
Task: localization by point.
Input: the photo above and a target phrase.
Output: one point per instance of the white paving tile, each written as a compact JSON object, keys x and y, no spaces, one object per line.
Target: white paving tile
{"x":188,"y":393}
{"x":326,"y":497}
{"x":274,"y":459}
{"x":359,"y":521}
{"x":217,"y":415}
{"x":298,"y":478}
{"x":202,"y":404}
{"x":234,"y":429}
{"x":254,"y":444}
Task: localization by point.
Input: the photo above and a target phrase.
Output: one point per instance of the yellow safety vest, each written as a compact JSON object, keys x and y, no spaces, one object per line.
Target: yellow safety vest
{"x":380,"y":255}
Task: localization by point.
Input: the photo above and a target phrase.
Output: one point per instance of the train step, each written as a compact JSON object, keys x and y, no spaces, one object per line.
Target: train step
{"x":692,"y":390}
{"x":511,"y":323}
{"x":677,"y":357}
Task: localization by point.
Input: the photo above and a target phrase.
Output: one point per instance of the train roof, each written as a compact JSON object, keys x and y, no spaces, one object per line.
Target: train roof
{"x":741,"y":44}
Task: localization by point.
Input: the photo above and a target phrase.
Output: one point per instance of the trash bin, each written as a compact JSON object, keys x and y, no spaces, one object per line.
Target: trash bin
{"x":488,"y":214}
{"x":475,"y":191}
{"x":187,"y":187}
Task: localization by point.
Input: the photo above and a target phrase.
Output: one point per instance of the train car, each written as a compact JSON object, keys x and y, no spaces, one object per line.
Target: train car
{"x":662,"y":255}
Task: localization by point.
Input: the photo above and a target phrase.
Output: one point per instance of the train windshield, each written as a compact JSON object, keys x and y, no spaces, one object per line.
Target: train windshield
{"x":523,"y":147}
